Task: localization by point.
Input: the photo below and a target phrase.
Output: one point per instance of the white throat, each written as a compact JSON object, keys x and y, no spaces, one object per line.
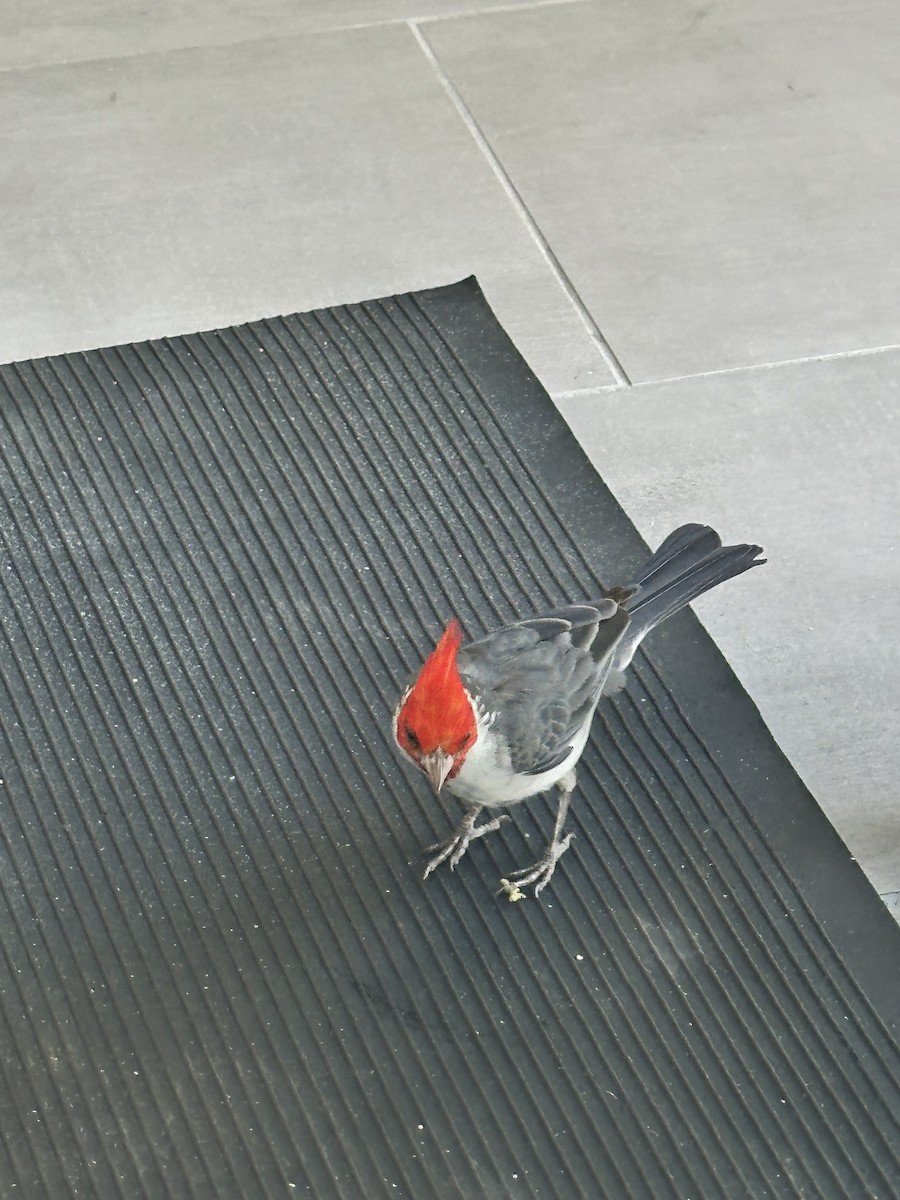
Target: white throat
{"x":487,"y":777}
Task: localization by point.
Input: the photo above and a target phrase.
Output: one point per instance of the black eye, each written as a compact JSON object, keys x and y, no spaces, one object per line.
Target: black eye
{"x":411,"y":738}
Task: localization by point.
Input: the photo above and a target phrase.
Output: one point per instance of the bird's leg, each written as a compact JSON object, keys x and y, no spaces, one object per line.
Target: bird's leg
{"x":542,"y":870}
{"x":458,"y":842}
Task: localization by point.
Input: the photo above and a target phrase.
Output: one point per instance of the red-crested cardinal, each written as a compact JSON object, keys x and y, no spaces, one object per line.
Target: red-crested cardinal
{"x":508,"y":716}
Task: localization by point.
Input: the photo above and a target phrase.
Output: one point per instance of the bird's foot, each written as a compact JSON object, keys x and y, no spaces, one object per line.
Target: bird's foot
{"x":542,"y":871}
{"x":458,"y":842}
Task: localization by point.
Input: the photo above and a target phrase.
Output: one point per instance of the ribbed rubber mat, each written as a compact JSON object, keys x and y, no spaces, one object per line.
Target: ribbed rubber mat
{"x":222,"y":976}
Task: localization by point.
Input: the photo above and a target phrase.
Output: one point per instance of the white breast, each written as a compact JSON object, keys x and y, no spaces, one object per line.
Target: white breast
{"x":486,"y":776}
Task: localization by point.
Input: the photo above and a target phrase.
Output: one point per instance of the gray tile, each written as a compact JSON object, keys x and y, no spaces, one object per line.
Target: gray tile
{"x":55,"y":31}
{"x":804,"y":459}
{"x":162,"y":193}
{"x":719,"y":181}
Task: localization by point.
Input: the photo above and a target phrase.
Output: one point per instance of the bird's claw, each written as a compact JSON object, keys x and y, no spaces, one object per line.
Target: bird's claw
{"x":542,"y":871}
{"x":454,"y":848}
{"x":458,"y":843}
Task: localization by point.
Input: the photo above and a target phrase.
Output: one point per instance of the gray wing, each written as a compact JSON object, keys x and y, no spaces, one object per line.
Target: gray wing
{"x":543,"y":677}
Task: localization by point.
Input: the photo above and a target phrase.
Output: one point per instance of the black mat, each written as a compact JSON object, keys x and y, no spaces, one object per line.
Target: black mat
{"x":220,"y":976}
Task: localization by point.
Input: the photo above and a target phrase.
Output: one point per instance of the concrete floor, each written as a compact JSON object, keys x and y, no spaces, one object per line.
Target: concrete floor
{"x":685,"y":213}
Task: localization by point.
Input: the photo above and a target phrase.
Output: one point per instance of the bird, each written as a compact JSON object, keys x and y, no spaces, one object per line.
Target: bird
{"x":505,"y":717}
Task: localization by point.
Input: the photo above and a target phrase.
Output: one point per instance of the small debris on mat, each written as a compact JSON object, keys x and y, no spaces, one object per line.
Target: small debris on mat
{"x":512,"y":890}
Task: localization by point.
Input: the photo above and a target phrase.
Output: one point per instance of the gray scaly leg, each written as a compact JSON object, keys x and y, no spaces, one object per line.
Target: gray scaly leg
{"x":458,"y":842}
{"x":541,"y":873}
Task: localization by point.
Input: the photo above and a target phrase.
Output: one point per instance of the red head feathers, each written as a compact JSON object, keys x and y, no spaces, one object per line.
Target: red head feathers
{"x":437,"y":713}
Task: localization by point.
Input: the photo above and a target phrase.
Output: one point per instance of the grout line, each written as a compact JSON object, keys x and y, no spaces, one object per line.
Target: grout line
{"x":314,"y":31}
{"x":865,"y":352}
{"x":524,"y":6}
{"x":838,"y":355}
{"x":528,"y":220}
{"x":431,"y":18}
{"x":578,"y":393}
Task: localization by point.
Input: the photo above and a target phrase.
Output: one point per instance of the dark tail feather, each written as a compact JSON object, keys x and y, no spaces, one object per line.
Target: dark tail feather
{"x":688,"y":563}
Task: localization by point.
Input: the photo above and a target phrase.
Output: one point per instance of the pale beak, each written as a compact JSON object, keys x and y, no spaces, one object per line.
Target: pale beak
{"x":437,"y":767}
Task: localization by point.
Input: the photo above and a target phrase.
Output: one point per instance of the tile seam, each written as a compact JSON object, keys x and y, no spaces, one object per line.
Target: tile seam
{"x":601,"y":344}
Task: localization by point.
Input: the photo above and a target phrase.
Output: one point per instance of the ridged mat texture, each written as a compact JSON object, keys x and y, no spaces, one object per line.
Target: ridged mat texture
{"x":220,"y":972}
